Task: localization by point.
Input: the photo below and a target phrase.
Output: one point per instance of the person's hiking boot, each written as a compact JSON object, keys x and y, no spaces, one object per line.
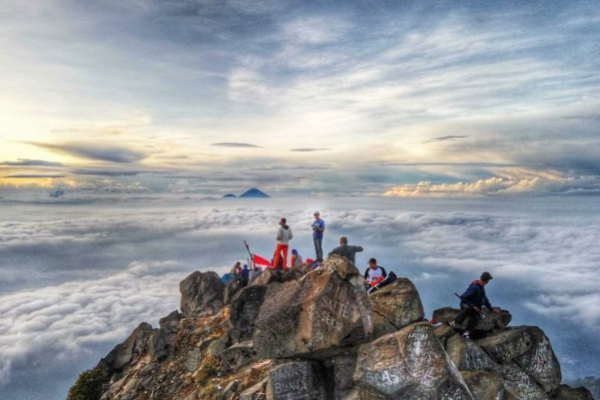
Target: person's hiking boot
{"x":466,"y":336}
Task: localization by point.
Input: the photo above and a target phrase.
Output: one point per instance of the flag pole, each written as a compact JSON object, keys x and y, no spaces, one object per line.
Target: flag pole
{"x":251,"y":255}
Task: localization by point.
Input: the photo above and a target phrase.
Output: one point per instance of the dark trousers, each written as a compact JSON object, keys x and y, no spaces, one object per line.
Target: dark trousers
{"x":467,"y":312}
{"x":318,"y":247}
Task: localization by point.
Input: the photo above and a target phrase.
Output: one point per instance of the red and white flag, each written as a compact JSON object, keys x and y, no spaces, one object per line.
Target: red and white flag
{"x":258,"y":260}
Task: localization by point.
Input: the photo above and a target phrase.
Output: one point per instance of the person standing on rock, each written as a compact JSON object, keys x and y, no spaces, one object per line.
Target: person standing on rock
{"x":472,"y":302}
{"x":374,"y":274}
{"x":284,"y":235}
{"x":346,"y":250}
{"x":245,"y":275}
{"x":318,"y":227}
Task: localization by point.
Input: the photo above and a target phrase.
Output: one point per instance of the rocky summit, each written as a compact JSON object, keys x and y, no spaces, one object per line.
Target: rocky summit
{"x":317,"y":335}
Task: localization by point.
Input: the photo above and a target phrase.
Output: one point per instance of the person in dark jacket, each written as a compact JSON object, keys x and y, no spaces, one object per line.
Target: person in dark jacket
{"x":472,"y":302}
{"x":374,"y":274}
{"x":245,"y":275}
{"x":346,"y":250}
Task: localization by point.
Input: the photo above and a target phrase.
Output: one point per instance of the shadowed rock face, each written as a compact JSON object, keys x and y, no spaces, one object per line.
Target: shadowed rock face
{"x":520,"y":384}
{"x":201,"y":293}
{"x":399,"y":303}
{"x":540,"y":361}
{"x":484,"y":385}
{"x":245,"y":308}
{"x":408,"y":364}
{"x":312,"y":317}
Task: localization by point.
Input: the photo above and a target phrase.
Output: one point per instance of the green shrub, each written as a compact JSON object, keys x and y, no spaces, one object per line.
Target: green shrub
{"x":88,"y":385}
{"x":208,"y":369}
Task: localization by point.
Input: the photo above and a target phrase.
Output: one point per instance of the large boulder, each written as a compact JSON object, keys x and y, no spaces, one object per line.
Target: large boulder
{"x":344,"y":267}
{"x":492,"y":321}
{"x":484,"y":385}
{"x":314,"y":317}
{"x":201,"y":293}
{"x":343,"y":369}
{"x":301,"y":380}
{"x":269,"y":275}
{"x":565,"y":392}
{"x":540,"y":361}
{"x":128,"y":352}
{"x":245,"y":308}
{"x":408,"y":364}
{"x":507,"y":345}
{"x":468,"y":356}
{"x":519,"y":383}
{"x":399,"y":303}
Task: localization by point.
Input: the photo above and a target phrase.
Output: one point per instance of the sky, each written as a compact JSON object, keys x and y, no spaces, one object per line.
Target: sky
{"x":400,"y":98}
{"x":76,"y":279}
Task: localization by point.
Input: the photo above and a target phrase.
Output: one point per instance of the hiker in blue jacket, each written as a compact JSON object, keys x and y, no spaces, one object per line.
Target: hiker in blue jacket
{"x":318,"y":227}
{"x":472,"y":302}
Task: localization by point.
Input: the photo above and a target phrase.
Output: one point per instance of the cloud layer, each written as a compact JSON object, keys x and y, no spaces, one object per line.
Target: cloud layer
{"x":98,"y":274}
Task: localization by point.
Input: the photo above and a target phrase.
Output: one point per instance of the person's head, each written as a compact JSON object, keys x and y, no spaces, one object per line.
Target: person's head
{"x":343,"y":240}
{"x":238,"y":264}
{"x":485,"y":278}
{"x":373,"y":263}
{"x":282,"y":221}
{"x":245,"y":266}
{"x":317,"y":215}
{"x":295,"y":252}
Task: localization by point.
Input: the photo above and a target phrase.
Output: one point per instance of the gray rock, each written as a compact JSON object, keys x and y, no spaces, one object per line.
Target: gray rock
{"x":201,"y":293}
{"x":343,"y":369}
{"x":170,"y":320}
{"x":129,"y":351}
{"x":344,"y":267}
{"x":491,"y":322}
{"x":468,"y":356}
{"x":301,"y":380}
{"x":267,"y":277}
{"x":519,"y":383}
{"x":230,"y":390}
{"x":315,"y":317}
{"x":399,"y":303}
{"x":484,"y":385}
{"x":408,"y":364}
{"x":245,"y":308}
{"x":238,"y":355}
{"x":540,"y":361}
{"x":507,"y":345}
{"x":564,"y":392}
{"x":218,"y":346}
{"x":382,"y":326}
{"x":256,"y":392}
{"x":443,"y":333}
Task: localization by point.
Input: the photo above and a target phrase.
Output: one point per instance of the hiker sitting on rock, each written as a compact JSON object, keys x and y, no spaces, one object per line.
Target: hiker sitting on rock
{"x":346,"y":250}
{"x":296,"y":259}
{"x":472,"y":302}
{"x":374,"y":274}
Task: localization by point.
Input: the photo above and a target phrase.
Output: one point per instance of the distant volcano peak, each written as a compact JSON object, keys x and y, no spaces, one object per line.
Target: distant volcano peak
{"x":255,"y":193}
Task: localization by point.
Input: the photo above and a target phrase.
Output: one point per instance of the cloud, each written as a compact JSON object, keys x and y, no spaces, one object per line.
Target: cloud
{"x":107,"y":173}
{"x":235,"y":145}
{"x":309,"y":149}
{"x":537,"y":183}
{"x":70,"y":319}
{"x":444,"y":138}
{"x":31,"y":163}
{"x":34,"y":176}
{"x":94,"y":151}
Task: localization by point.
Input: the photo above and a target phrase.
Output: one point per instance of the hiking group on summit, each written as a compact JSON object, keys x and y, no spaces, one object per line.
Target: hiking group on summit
{"x":375,"y":276}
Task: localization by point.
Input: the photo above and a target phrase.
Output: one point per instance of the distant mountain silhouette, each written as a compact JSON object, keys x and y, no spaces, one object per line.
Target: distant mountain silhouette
{"x":230,"y":195}
{"x":254,"y":193}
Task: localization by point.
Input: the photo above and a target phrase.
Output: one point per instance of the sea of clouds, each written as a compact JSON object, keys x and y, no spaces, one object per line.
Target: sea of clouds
{"x":75,"y":279}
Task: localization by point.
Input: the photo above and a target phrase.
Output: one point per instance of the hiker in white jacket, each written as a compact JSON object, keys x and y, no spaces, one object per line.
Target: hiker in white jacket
{"x":284,"y":235}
